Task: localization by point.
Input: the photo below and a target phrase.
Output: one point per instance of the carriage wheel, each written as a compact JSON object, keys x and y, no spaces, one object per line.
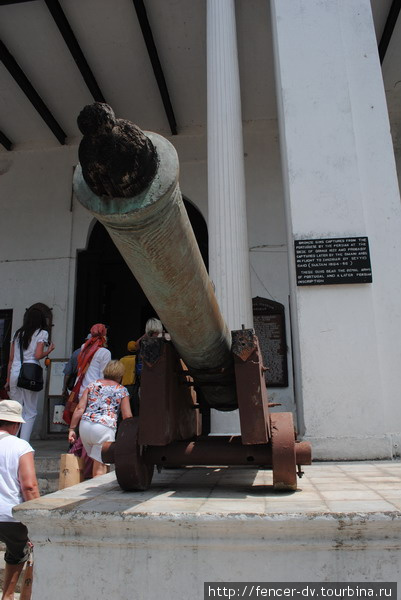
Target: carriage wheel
{"x":283,"y":451}
{"x":131,"y":471}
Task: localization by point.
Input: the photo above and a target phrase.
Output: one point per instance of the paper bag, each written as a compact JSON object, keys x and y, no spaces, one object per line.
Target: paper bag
{"x":71,"y":470}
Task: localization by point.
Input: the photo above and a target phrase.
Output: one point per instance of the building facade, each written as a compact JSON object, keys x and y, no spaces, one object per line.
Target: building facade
{"x":286,"y":128}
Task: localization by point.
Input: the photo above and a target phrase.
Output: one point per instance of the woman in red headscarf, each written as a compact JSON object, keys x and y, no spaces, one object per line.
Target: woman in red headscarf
{"x":92,"y":360}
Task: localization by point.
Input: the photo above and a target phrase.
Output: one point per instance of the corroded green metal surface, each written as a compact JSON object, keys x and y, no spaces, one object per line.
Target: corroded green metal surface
{"x":153,"y":233}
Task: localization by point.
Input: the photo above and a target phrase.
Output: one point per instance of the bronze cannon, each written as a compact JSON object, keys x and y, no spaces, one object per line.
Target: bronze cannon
{"x":128,"y":180}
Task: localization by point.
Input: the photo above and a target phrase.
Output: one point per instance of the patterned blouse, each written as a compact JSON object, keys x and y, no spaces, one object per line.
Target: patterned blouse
{"x":104,"y":403}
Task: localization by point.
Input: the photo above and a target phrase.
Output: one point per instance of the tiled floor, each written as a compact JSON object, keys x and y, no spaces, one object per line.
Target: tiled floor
{"x":325,"y":488}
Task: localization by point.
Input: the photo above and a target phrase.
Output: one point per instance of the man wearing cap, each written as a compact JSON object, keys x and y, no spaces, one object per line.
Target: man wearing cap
{"x":18,"y":483}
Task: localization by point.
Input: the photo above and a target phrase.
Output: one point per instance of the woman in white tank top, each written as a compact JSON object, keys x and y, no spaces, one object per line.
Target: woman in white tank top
{"x":34,"y":338}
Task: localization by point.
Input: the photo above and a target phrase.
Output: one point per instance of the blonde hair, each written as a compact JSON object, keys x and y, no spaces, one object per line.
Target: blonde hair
{"x":114,"y":370}
{"x":153,"y":326}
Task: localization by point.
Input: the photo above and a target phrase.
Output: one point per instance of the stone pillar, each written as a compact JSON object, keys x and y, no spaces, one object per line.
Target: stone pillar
{"x":228,"y":236}
{"x":227,"y":223}
{"x":340,"y":181}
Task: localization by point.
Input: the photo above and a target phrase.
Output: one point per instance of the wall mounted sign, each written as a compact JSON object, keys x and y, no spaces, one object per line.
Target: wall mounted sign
{"x":269,"y":323}
{"x":54,"y":397}
{"x":336,"y":260}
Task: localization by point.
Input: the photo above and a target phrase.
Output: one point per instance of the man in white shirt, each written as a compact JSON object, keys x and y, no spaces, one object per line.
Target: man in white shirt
{"x":18,"y":483}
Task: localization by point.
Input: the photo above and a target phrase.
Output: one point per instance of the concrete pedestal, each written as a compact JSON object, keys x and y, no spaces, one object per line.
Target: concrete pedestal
{"x":215,"y":524}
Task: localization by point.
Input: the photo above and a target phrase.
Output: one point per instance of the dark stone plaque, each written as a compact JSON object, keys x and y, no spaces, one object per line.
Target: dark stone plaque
{"x":330,"y":261}
{"x":269,"y":323}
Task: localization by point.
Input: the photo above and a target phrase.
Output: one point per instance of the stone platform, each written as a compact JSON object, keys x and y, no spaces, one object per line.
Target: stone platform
{"x":216,"y":524}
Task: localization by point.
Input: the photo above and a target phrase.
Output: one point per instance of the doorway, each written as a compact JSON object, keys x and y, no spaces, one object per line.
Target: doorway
{"x":107,"y":292}
{"x":6,"y":317}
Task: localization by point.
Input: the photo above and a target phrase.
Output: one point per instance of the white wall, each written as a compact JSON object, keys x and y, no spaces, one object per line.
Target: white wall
{"x":340,"y":180}
{"x":35,"y":238}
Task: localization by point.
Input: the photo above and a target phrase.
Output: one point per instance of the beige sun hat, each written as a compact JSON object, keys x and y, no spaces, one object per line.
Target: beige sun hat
{"x":11,"y":410}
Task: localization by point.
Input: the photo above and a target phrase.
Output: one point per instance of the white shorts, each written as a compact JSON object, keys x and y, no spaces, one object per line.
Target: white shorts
{"x":93,"y":436}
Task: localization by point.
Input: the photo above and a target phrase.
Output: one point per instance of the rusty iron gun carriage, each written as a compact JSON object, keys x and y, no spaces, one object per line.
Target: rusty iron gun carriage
{"x":128,"y":180}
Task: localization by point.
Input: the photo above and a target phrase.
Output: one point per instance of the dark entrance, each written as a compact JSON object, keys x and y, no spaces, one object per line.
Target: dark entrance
{"x":6,"y":317}
{"x":107,"y":292}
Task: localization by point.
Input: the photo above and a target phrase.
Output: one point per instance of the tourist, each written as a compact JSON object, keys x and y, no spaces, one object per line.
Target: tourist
{"x":128,"y":381}
{"x":97,"y":413}
{"x":33,"y":338}
{"x":92,"y":359}
{"x":153,"y":329}
{"x":18,"y":483}
{"x":70,"y":371}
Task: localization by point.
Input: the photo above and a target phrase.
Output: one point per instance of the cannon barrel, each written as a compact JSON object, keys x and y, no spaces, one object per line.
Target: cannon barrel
{"x":128,"y":180}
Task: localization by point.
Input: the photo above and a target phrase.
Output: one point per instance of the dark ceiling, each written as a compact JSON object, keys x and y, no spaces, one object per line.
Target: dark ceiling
{"x":147,"y":58}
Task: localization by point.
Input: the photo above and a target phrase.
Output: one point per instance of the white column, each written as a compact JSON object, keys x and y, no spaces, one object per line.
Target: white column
{"x":228,"y":236}
{"x":227,"y":223}
{"x":340,"y":180}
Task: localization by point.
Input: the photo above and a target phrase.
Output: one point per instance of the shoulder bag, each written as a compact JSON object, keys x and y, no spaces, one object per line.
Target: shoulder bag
{"x":31,"y":374}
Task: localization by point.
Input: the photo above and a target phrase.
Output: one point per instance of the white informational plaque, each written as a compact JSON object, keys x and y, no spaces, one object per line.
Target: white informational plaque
{"x":54,"y":400}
